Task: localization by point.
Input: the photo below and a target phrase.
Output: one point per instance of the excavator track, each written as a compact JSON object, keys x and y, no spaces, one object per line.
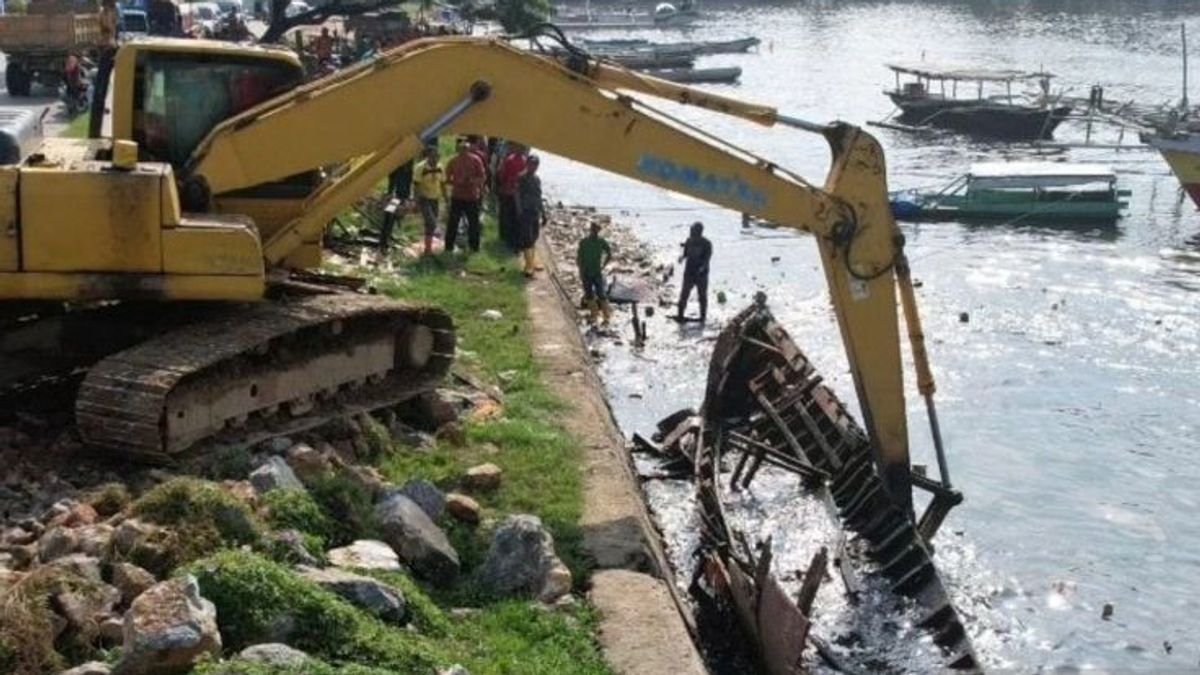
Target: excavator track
{"x":253,"y":371}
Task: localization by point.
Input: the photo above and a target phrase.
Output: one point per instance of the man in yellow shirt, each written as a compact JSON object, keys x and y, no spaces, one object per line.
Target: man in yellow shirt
{"x":429,"y":185}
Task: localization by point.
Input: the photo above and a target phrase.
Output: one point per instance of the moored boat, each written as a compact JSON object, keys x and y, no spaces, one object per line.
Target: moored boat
{"x":1020,"y":191}
{"x":1181,"y":151}
{"x":728,"y":75}
{"x":1004,"y":115}
{"x":737,"y":46}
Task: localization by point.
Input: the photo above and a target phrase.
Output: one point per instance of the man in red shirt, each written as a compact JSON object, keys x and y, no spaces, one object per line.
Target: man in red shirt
{"x":507,"y":178}
{"x":466,"y":176}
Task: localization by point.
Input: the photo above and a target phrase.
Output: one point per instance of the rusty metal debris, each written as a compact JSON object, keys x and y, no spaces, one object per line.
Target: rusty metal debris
{"x":765,"y":405}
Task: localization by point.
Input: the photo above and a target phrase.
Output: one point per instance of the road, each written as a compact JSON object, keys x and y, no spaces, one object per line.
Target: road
{"x":55,"y":120}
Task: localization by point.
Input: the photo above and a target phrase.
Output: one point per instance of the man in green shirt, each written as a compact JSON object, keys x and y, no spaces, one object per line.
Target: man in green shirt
{"x":593,"y":254}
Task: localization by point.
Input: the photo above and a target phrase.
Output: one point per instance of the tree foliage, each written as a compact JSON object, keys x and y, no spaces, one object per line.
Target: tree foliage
{"x":279,"y":23}
{"x":516,"y":16}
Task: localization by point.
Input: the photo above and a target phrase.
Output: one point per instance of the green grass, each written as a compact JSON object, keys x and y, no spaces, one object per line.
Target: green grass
{"x":78,"y":128}
{"x":251,"y":594}
{"x":539,"y":459}
{"x":200,"y":517}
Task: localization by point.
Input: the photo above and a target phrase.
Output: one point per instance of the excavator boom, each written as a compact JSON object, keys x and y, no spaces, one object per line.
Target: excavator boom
{"x":380,"y":109}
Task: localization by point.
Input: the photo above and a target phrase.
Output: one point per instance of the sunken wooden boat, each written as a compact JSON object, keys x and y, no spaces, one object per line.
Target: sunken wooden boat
{"x":727,"y":75}
{"x":766,"y":410}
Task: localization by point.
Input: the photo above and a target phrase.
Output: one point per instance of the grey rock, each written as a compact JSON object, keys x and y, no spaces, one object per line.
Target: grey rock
{"x":426,"y":495}
{"x":112,"y":631}
{"x":131,"y":580}
{"x":17,"y":536}
{"x":78,"y":564}
{"x":420,"y":543}
{"x":307,"y":462}
{"x":366,"y":554}
{"x":373,"y":595}
{"x":85,"y":608}
{"x":56,"y":543}
{"x":292,"y":543}
{"x":130,"y":533}
{"x":90,"y":668}
{"x":169,"y":628}
{"x":277,"y":445}
{"x":275,"y":474}
{"x":521,"y":559}
{"x":94,"y":539}
{"x":273,"y":654}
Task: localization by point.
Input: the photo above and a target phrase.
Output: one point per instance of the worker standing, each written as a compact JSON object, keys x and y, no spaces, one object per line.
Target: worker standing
{"x":466,"y":175}
{"x":429,"y":184}
{"x":323,"y":47}
{"x":593,"y":254}
{"x":531,"y":214}
{"x":109,"y":33}
{"x":508,"y":175}
{"x":697,"y":252}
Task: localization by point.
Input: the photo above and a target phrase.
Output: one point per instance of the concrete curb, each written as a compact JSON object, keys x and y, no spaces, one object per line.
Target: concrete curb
{"x":643,"y":627}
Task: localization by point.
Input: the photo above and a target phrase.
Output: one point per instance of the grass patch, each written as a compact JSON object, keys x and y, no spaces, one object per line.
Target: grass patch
{"x":257,"y":600}
{"x":29,"y":640}
{"x":78,"y":127}
{"x":296,"y":509}
{"x":538,"y":457}
{"x":252,"y":595}
{"x":348,"y":505}
{"x":108,"y":499}
{"x":202,"y":518}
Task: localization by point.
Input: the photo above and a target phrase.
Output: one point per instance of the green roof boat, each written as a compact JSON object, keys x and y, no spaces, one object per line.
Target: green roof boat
{"x":1020,"y":192}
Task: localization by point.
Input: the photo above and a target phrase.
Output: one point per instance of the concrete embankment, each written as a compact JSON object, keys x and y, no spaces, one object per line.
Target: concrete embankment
{"x":641,"y":627}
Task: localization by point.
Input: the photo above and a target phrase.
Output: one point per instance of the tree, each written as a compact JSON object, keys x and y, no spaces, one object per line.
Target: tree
{"x":516,"y":16}
{"x":280,"y":23}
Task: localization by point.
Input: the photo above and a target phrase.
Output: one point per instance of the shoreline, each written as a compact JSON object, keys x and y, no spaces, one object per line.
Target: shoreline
{"x":643,"y":624}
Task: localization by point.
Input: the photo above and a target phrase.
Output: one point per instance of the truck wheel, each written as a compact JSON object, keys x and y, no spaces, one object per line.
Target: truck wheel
{"x":17,"y":80}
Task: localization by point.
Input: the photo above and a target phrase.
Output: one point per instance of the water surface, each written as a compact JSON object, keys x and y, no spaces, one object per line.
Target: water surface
{"x":1068,"y":397}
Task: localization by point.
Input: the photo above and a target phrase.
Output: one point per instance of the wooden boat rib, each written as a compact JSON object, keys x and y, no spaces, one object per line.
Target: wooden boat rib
{"x":765,"y":406}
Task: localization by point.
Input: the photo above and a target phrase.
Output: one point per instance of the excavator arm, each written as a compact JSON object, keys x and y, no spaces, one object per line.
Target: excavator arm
{"x":376,"y":116}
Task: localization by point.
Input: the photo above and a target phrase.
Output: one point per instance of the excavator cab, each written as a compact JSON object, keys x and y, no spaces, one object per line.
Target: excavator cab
{"x":168,"y":94}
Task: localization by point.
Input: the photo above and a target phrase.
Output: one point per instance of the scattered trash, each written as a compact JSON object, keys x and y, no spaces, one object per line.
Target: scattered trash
{"x":492,"y":314}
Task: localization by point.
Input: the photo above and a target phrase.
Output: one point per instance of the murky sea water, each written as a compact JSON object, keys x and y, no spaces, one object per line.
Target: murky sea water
{"x":1070,"y":398}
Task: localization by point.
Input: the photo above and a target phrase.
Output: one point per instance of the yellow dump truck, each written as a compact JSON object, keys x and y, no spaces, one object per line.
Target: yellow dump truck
{"x":37,"y":44}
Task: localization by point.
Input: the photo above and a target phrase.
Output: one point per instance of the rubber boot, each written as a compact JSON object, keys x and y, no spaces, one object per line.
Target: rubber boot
{"x":530,"y":261}
{"x":606,"y":309}
{"x":593,"y":312}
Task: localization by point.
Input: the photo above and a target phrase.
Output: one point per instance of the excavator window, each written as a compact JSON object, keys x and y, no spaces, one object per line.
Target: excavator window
{"x":179,"y":98}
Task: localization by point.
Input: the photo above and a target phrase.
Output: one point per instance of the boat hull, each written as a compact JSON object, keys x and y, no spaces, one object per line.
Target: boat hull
{"x":984,"y":118}
{"x":1183,"y":156}
{"x":728,"y":75}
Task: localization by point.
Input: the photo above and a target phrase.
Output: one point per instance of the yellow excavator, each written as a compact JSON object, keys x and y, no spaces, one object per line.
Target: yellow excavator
{"x":192,"y":232}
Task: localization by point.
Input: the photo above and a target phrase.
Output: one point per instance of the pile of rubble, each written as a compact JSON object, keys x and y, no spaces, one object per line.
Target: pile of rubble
{"x":94,"y":556}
